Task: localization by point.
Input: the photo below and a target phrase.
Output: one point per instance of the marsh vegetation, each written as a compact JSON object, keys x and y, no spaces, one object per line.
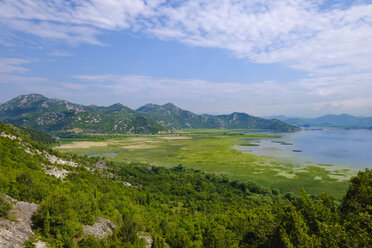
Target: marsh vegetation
{"x":212,"y":151}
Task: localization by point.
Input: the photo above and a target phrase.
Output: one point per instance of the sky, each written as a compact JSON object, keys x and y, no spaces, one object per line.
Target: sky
{"x":301,"y":58}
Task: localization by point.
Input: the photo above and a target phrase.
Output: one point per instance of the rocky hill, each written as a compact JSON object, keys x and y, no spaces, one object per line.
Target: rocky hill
{"x":174,"y":117}
{"x":54,"y":115}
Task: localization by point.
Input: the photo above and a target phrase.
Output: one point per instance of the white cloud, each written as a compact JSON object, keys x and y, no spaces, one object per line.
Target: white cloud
{"x":71,"y":34}
{"x":307,"y":97}
{"x":72,"y":21}
{"x":11,"y":65}
{"x":296,"y":33}
{"x":301,"y":34}
{"x":316,"y":96}
{"x":57,"y":53}
{"x":13,"y":70}
{"x":332,"y":43}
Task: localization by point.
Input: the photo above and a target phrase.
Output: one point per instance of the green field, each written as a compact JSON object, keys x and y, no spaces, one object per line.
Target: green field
{"x":211,"y":151}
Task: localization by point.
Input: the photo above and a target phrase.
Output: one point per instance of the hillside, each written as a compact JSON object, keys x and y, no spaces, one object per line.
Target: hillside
{"x":53,"y":115}
{"x":340,"y":121}
{"x":174,"y":117}
{"x":71,"y":201}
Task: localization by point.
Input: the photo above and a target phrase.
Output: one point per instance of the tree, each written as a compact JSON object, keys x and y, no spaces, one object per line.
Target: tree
{"x":47,"y":224}
{"x":4,"y":206}
{"x":356,"y":210}
{"x":293,"y":231}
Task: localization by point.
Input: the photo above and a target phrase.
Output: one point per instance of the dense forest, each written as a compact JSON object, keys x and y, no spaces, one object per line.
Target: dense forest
{"x":178,"y":207}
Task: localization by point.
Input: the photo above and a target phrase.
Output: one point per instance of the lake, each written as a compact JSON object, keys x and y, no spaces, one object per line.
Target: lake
{"x":352,"y":148}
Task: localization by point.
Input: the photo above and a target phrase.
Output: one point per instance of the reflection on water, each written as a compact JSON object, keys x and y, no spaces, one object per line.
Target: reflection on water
{"x":333,"y":146}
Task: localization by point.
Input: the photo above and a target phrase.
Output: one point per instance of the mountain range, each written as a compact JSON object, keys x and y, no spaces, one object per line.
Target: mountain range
{"x":339,"y":121}
{"x":54,"y":115}
{"x":174,"y":117}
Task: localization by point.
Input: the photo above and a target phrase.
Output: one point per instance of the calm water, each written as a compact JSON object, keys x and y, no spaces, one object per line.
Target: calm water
{"x":352,"y":148}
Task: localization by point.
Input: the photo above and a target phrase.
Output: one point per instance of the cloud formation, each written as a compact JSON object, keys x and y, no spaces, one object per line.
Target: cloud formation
{"x":12,"y":65}
{"x":328,"y":39}
{"x":309,"y":35}
{"x":319,"y":95}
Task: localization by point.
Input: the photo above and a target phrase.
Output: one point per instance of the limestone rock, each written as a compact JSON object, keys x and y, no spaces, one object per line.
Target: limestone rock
{"x":15,"y":233}
{"x":101,"y":228}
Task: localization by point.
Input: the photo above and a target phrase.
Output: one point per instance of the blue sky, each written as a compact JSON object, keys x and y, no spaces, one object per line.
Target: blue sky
{"x":267,"y":57}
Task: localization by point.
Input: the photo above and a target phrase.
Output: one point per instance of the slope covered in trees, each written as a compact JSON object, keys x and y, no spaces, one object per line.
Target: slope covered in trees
{"x":53,"y":115}
{"x":174,"y":117}
{"x":178,"y":207}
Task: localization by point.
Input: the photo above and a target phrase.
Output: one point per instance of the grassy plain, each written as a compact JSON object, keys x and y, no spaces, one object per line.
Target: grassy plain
{"x":212,"y":151}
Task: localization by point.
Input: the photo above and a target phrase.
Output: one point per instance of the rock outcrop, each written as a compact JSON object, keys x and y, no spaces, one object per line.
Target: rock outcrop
{"x":13,"y":233}
{"x":101,"y":228}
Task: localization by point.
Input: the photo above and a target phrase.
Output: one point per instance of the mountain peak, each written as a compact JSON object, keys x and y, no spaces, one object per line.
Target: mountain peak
{"x":23,"y":101}
{"x":148,"y":107}
{"x":55,"y":115}
{"x":170,"y":105}
{"x":174,"y":117}
{"x":117,"y":105}
{"x":29,"y":98}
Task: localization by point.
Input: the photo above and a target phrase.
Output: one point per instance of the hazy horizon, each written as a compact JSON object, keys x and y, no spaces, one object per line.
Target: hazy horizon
{"x":199,"y":113}
{"x":303,"y":58}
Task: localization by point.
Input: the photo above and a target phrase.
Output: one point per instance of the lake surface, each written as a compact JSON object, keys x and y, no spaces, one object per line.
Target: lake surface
{"x":352,"y":148}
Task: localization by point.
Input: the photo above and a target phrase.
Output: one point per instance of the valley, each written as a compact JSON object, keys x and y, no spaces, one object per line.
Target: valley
{"x":185,"y":124}
{"x":212,"y":151}
{"x":176,"y":188}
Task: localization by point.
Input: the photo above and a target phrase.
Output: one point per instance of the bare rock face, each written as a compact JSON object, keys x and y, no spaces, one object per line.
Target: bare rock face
{"x":41,"y":244}
{"x":101,"y":165}
{"x":100,"y":229}
{"x":59,"y":173}
{"x":15,"y":233}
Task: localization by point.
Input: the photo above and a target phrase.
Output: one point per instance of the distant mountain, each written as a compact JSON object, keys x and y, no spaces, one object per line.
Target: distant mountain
{"x":174,"y":117}
{"x":53,"y":115}
{"x":342,"y":121}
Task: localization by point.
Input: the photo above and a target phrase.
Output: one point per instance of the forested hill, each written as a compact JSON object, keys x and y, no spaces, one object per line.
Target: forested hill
{"x":88,"y":202}
{"x":174,"y":117}
{"x":53,"y":115}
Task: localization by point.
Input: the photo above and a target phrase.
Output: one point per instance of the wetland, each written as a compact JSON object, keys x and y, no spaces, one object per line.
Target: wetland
{"x":346,"y":147}
{"x":214,"y":151}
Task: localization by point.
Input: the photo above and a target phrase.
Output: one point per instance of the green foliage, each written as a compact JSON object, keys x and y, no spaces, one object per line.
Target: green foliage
{"x":212,"y":151}
{"x":40,"y":138}
{"x":55,"y":116}
{"x":128,"y":230}
{"x":175,"y":118}
{"x":5,"y":207}
{"x":356,"y":210}
{"x":90,"y":242}
{"x":158,"y":242}
{"x":47,"y":224}
{"x":293,"y":231}
{"x":179,"y":207}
